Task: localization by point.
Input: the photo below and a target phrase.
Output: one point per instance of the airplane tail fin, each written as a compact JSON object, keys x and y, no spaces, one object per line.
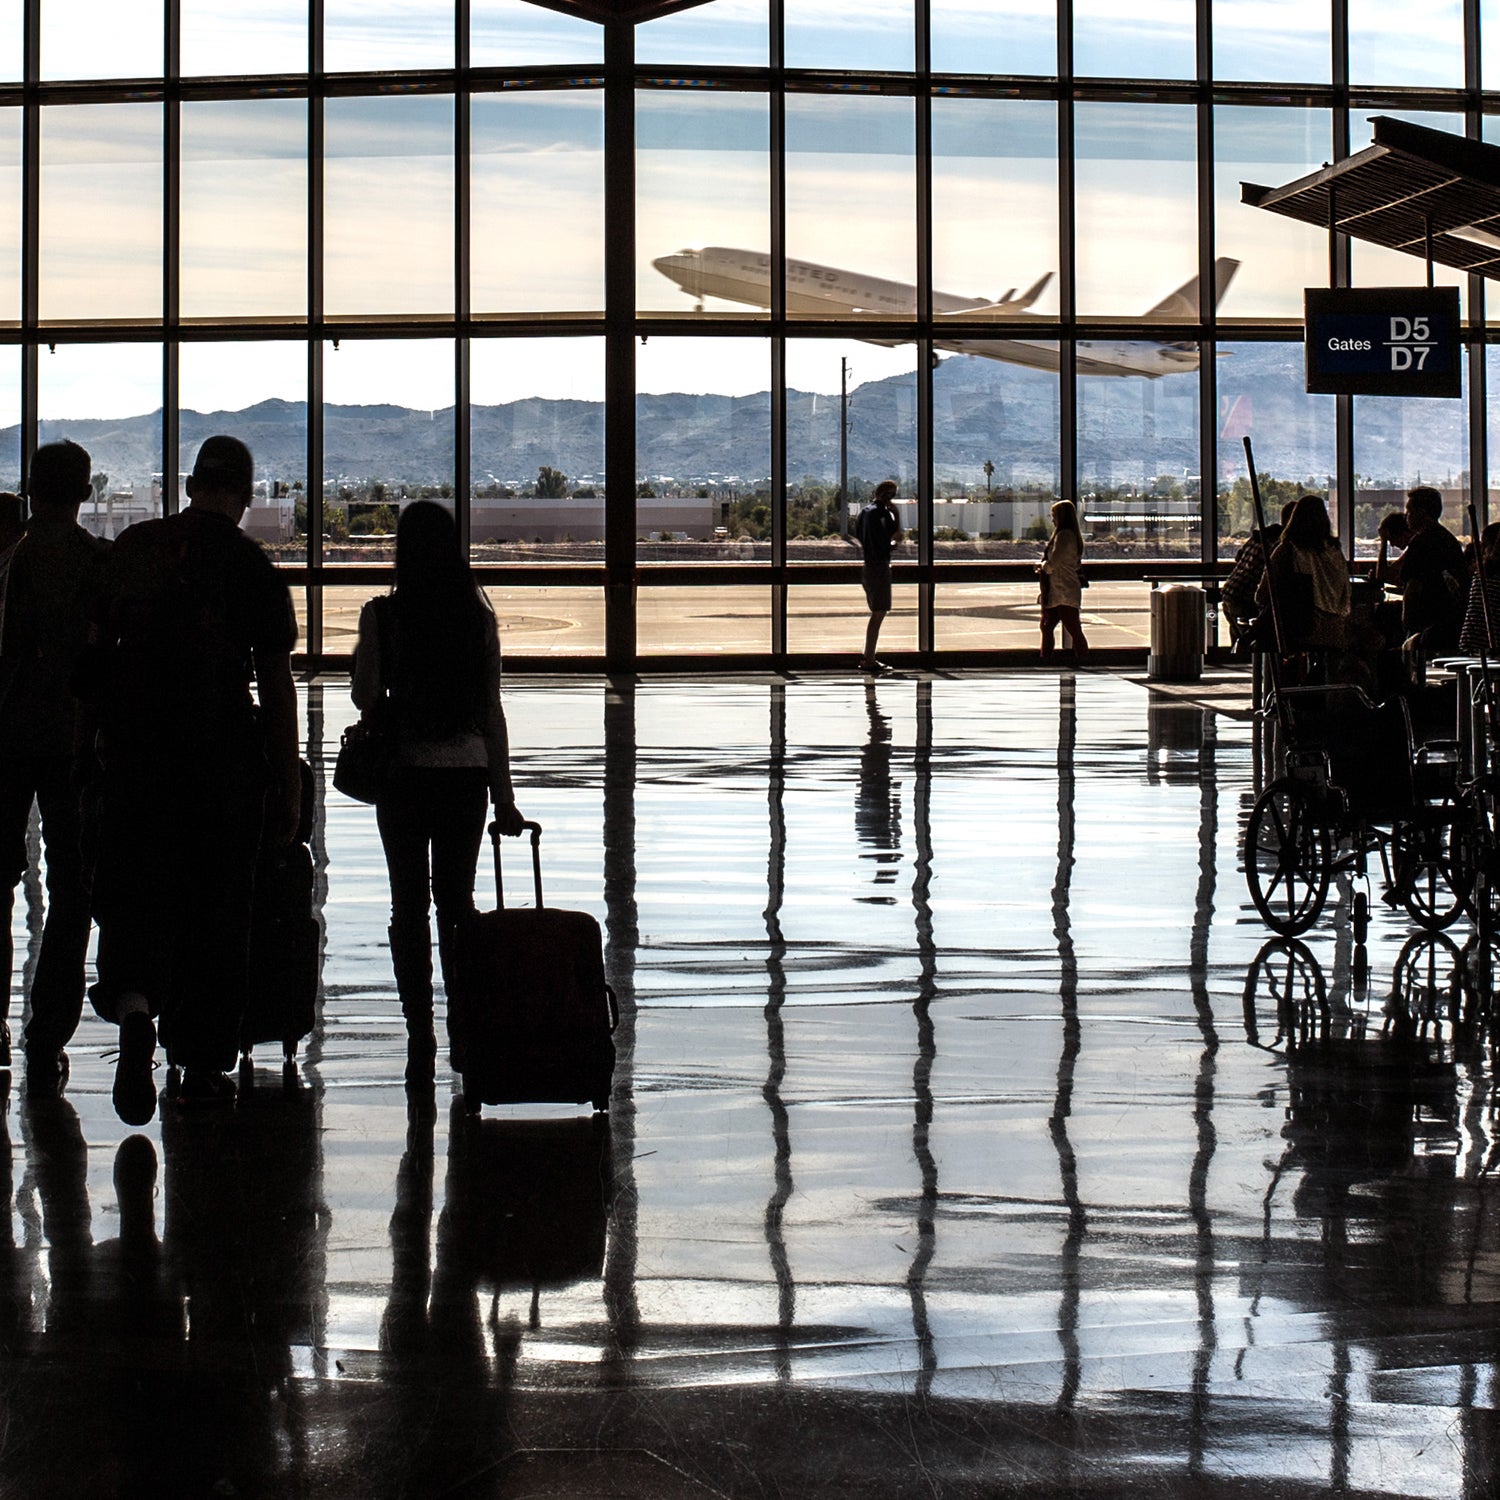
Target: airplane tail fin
{"x":1182,"y":305}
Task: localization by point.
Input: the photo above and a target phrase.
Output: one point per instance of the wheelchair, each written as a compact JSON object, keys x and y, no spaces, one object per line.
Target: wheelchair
{"x":1354,"y":782}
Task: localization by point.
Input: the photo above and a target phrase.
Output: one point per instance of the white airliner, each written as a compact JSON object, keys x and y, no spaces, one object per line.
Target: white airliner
{"x":826,"y":291}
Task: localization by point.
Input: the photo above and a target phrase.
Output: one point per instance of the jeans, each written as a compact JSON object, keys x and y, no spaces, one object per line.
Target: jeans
{"x":58,"y":983}
{"x":431,"y":825}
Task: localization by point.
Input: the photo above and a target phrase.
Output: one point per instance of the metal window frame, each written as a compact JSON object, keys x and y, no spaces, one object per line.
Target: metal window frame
{"x":619,"y":79}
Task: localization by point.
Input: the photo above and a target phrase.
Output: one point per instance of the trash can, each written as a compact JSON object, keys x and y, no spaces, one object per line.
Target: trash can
{"x":1177,"y":632}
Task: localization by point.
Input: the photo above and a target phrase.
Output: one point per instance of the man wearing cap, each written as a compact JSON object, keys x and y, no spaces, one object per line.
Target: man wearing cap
{"x":192,"y":774}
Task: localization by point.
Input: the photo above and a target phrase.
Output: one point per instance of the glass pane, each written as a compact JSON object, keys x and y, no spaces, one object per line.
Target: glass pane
{"x":1138,"y":467}
{"x":1374,"y":265}
{"x":1399,"y":444}
{"x":703,"y":179}
{"x":548,"y":621}
{"x":370,"y":35}
{"x":1489,"y":42}
{"x":850,"y":193}
{"x":227,"y":37}
{"x":831,"y":617}
{"x":257,"y":393}
{"x":879,"y":415}
{"x":1272,"y":40}
{"x":979,"y":36}
{"x":388,"y":207}
{"x":10,"y":216}
{"x":387,"y":438}
{"x":244,"y":163}
{"x":537,"y":159}
{"x":1121,"y":39}
{"x":726,"y":33}
{"x":108,"y":398}
{"x":537,"y":450}
{"x":101,"y":166}
{"x":12,"y":30}
{"x":1263,"y":396}
{"x":722,"y":620}
{"x":1116,"y":613}
{"x":518,"y":34}
{"x":1408,"y":42}
{"x":1137,"y":211}
{"x":994,"y":206}
{"x":10,"y":420}
{"x":1278,"y":257}
{"x":834,"y":34}
{"x":83,"y":39}
{"x":995,"y":450}
{"x":703,"y":452}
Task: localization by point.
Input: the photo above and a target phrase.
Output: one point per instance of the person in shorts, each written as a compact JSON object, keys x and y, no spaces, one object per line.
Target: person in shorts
{"x":877,"y":528}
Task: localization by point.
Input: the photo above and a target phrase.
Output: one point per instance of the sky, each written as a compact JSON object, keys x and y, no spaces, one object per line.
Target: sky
{"x":703,"y":179}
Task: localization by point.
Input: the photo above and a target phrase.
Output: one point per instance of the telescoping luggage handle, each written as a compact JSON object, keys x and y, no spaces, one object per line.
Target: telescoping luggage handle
{"x":535,"y":830}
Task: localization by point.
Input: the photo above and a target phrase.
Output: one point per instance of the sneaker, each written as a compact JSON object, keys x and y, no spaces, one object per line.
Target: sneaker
{"x":135,"y":1090}
{"x":46,"y":1072}
{"x":203,"y":1088}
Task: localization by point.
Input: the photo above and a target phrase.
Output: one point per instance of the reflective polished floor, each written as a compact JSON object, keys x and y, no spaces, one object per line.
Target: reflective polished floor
{"x":968,"y":1140}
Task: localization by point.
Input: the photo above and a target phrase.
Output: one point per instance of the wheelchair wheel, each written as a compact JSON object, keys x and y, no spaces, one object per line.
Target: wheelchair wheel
{"x":1475,"y":852}
{"x":1288,"y":857}
{"x":1429,"y":875}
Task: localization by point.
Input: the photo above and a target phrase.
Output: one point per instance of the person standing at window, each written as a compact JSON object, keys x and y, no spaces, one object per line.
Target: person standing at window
{"x":53,"y":576}
{"x":431,"y":650}
{"x":877,"y":529}
{"x":1061,"y":571}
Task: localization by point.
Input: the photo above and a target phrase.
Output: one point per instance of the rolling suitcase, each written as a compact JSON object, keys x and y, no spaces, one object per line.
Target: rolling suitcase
{"x":281,"y":1004}
{"x":530,"y":1017}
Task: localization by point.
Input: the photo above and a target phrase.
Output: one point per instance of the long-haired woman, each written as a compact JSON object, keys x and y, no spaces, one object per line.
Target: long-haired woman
{"x":1061,"y":570}
{"x":431,"y":648}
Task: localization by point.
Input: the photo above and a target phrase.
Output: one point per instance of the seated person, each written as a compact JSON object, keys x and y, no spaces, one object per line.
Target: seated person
{"x":1237,"y":592}
{"x":1484,"y":599}
{"x":1393,"y":531}
{"x":1310,"y":576}
{"x":1433,"y":578}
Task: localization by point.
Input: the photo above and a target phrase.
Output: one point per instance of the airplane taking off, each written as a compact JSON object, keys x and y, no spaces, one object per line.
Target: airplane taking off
{"x":826,"y":291}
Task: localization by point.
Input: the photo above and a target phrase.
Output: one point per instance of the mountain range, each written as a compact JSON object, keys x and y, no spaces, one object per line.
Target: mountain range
{"x":1129,"y":432}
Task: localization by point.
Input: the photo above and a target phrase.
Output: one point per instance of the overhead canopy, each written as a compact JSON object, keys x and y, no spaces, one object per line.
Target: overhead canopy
{"x":1412,"y":181}
{"x":618,"y":10}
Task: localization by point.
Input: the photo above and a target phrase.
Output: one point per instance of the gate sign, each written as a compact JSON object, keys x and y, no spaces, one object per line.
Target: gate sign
{"x":1383,"y":341}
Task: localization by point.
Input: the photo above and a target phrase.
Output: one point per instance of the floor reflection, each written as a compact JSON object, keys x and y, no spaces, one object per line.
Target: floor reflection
{"x":968,"y":1138}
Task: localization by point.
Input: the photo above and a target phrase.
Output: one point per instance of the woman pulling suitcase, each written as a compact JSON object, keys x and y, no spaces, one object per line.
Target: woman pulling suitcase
{"x":427,"y":669}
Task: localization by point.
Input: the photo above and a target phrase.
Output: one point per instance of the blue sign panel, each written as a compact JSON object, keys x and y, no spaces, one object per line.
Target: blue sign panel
{"x":1384,"y":341}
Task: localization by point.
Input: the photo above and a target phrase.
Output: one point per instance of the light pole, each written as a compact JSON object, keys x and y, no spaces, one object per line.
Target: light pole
{"x":989,"y":474}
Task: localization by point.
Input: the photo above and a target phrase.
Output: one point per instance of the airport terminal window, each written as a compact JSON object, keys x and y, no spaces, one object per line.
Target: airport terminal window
{"x":222,"y":37}
{"x":1275,"y":258}
{"x":536,"y":186}
{"x":1262,"y":41}
{"x":1263,"y":395}
{"x":490,"y":392}
{"x":244,"y":163}
{"x":101,"y":164}
{"x":703,"y":181}
{"x":388,"y":207}
{"x":10,"y":420}
{"x":109,"y":398}
{"x":1137,"y":209}
{"x":536,"y":466}
{"x":850,"y":200}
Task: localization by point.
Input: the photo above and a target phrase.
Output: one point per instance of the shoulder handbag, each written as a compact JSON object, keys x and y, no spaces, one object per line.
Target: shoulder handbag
{"x":367,"y":750}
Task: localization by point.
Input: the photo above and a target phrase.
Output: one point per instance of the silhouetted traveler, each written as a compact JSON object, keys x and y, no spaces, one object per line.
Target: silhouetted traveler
{"x":51,"y":584}
{"x":192,"y":611}
{"x":877,"y":529}
{"x":1434,"y":576}
{"x":1310,"y":574}
{"x":1061,"y":570}
{"x":432,"y":650}
{"x":1484,"y":599}
{"x":1237,"y":592}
